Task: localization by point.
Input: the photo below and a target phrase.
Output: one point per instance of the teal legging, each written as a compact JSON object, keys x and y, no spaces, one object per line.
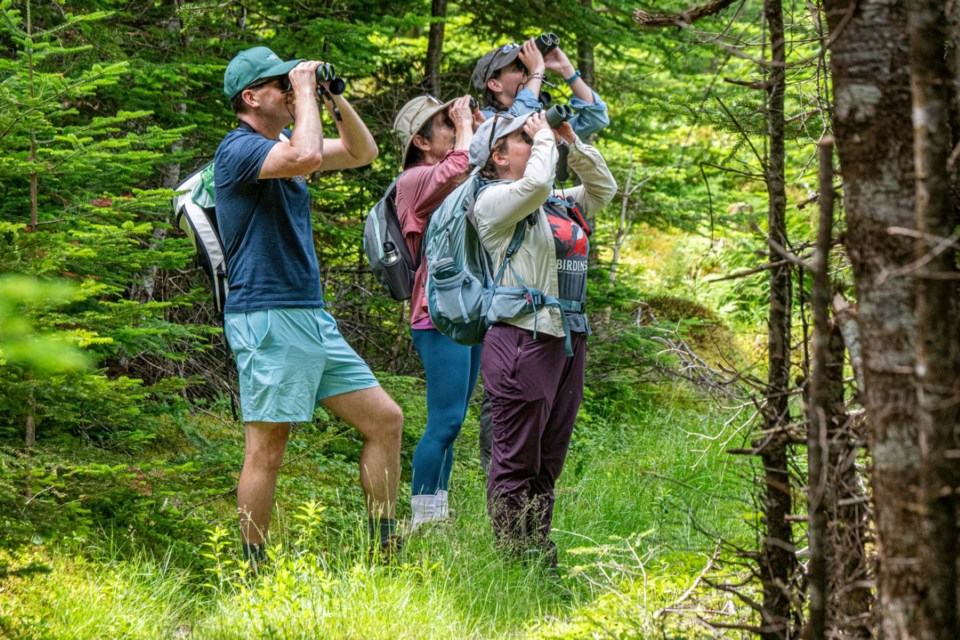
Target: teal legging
{"x":451,"y":371}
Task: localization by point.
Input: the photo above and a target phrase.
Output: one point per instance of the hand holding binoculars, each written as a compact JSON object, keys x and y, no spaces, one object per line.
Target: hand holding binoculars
{"x":547,"y":42}
{"x":328,"y":73}
{"x":558,"y":114}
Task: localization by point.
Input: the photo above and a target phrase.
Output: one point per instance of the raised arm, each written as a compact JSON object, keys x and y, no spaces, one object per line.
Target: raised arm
{"x":502,"y":205}
{"x":422,"y":188}
{"x":558,"y":61}
{"x":533,"y":60}
{"x":598,"y":184}
{"x":303,"y":153}
{"x":355,"y":147}
{"x":591,"y":110}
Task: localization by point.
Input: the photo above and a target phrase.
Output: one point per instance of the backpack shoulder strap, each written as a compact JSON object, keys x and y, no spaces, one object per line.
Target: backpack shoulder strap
{"x":573,"y":211}
{"x":519,"y":232}
{"x":390,"y":196}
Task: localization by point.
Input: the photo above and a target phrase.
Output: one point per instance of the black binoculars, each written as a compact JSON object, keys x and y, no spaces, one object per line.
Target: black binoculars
{"x":328,"y":73}
{"x":558,"y":114}
{"x":547,"y":42}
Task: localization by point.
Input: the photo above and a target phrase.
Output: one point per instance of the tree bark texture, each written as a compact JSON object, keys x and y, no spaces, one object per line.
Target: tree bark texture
{"x":820,"y":408}
{"x":936,"y":317}
{"x":585,"y":51}
{"x":846,"y":508}
{"x":30,"y":431}
{"x":953,"y":60}
{"x":438,"y":15}
{"x":838,"y":573}
{"x":777,"y":559}
{"x":873,"y":130}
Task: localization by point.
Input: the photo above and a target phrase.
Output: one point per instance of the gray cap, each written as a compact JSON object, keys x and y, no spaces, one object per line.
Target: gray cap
{"x":490,"y":131}
{"x":492,"y":62}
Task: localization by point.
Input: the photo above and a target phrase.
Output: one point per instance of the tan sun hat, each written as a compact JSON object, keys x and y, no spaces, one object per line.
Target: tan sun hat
{"x":412,"y":117}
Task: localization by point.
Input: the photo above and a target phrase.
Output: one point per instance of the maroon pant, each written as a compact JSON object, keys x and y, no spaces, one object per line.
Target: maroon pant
{"x":535,"y":392}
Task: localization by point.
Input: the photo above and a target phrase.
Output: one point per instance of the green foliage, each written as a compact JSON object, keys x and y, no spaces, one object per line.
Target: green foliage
{"x":640,"y":506}
{"x":103,"y":108}
{"x":77,"y":497}
{"x":21,"y":345}
{"x":75,"y":207}
{"x":136,"y":598}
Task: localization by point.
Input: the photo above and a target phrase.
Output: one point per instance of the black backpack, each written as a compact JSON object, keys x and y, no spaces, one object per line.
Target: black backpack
{"x":386,"y":250}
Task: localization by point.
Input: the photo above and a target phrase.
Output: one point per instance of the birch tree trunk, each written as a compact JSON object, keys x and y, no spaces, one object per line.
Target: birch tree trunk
{"x":873,"y":131}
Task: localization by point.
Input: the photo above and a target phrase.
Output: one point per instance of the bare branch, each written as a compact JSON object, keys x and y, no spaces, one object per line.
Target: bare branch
{"x":783,"y":252}
{"x":749,"y":272}
{"x":736,"y":123}
{"x":682,"y":19}
{"x":750,"y":84}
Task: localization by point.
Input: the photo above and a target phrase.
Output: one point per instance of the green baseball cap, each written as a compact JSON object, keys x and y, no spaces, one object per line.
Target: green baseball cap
{"x":251,"y":65}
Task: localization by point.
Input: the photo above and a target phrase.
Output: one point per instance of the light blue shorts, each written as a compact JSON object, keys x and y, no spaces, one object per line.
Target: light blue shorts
{"x":288,"y":360}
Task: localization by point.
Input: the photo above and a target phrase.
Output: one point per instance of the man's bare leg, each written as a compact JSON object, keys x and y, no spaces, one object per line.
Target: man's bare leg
{"x":265,"y":444}
{"x":377,"y":417}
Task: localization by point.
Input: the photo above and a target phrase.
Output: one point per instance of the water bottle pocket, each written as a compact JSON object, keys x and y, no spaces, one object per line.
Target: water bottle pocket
{"x":399,"y":279}
{"x":459,"y":298}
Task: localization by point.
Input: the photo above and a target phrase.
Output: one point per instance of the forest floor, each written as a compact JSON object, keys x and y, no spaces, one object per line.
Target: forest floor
{"x":646,"y":496}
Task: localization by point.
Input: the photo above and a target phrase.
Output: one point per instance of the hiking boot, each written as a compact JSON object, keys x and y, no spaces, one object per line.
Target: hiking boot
{"x":423,"y":509}
{"x":255,"y":555}
{"x":543,"y":555}
{"x":388,"y":550}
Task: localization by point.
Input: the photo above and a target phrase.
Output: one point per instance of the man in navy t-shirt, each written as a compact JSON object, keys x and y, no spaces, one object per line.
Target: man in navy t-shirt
{"x":290,"y":355}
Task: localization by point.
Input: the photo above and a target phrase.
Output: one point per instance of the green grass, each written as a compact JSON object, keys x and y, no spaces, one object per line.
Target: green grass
{"x":80,"y":599}
{"x":639,"y":511}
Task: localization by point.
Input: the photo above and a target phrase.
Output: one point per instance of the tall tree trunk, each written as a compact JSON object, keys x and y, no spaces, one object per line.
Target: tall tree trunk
{"x":438,"y":15}
{"x":845,"y":503}
{"x":585,"y":51}
{"x":34,"y":175}
{"x":953,"y":52}
{"x":820,"y":409}
{"x":30,"y":422}
{"x":170,"y":171}
{"x":30,"y":430}
{"x":936,"y":317}
{"x":777,"y":558}
{"x":873,"y":130}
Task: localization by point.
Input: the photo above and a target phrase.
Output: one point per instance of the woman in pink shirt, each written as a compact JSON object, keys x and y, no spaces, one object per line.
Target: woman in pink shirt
{"x":436,"y":137}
